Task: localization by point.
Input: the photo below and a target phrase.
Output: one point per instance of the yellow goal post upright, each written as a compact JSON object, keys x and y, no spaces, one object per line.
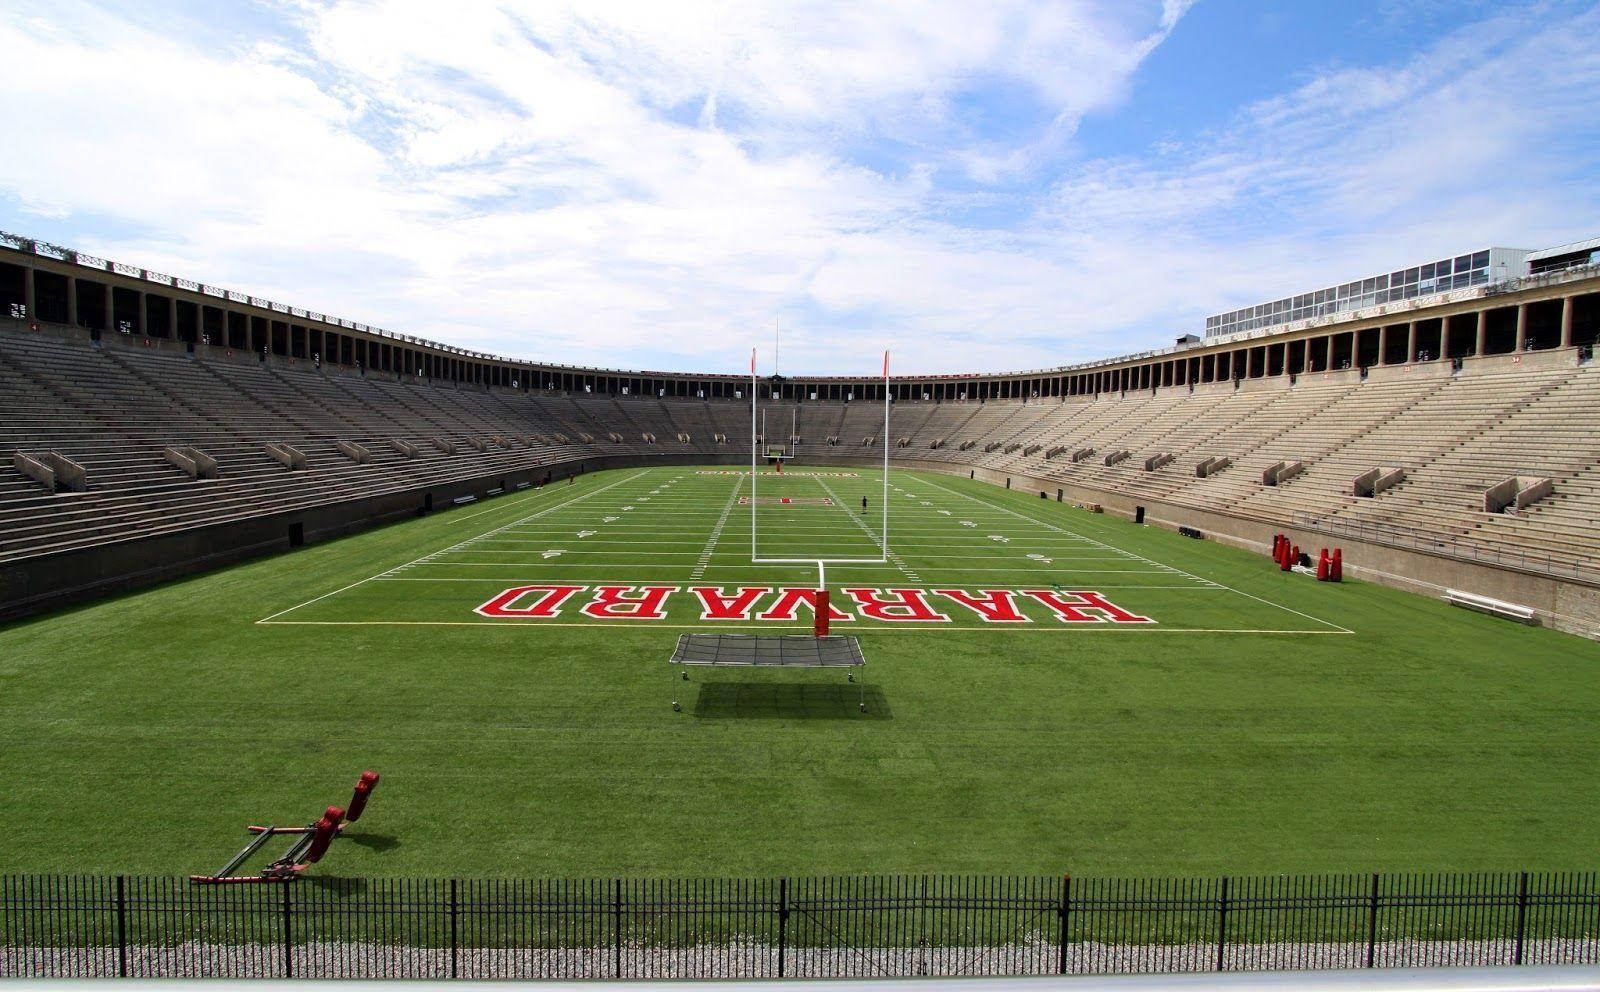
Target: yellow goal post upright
{"x":822,"y":562}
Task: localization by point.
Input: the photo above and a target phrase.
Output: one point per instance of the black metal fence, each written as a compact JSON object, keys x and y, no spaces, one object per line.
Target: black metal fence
{"x":858,"y":926}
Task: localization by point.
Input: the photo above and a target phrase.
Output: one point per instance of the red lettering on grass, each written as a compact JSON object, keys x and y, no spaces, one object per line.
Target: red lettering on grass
{"x":896,"y":605}
{"x":620,"y":603}
{"x":1084,"y":606}
{"x":715,"y":604}
{"x":992,"y":605}
{"x":546,"y":606}
{"x":789,"y":601}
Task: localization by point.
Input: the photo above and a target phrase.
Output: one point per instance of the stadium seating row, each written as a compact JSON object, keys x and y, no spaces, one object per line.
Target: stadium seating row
{"x":1440,"y":441}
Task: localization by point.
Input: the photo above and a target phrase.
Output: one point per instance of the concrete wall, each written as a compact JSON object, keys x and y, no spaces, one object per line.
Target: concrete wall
{"x":1570,"y":606}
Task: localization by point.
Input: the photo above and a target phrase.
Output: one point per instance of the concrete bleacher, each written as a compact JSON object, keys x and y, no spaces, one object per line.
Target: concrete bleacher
{"x":120,"y":412}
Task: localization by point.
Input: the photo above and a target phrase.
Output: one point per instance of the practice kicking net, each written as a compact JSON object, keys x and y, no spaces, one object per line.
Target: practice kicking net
{"x":803,"y":516}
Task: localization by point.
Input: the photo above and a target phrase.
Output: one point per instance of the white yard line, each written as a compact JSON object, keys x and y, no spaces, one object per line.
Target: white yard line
{"x":1168,"y":568}
{"x":874,"y":629}
{"x":605,"y":579}
{"x":453,"y":547}
{"x":894,"y":559}
{"x":716,"y":532}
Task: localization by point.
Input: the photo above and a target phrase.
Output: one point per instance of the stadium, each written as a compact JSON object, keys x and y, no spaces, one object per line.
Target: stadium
{"x":471,"y":572}
{"x":1264,"y":641}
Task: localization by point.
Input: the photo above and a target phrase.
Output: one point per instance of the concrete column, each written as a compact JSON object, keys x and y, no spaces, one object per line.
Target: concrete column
{"x":1411,"y":342}
{"x":1482,"y":341}
{"x":1522,"y":328}
{"x":1383,"y":343}
{"x":1566,"y":321}
{"x":1249,"y":363}
{"x":72,"y":300}
{"x":141,"y":326}
{"x":1328,"y":366}
{"x":30,"y":305}
{"x":111,"y":310}
{"x":172,"y":317}
{"x":1444,"y":338}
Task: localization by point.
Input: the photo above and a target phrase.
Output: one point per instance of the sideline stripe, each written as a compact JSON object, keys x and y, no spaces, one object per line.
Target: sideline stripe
{"x":873,"y":631}
{"x":1169,"y":568}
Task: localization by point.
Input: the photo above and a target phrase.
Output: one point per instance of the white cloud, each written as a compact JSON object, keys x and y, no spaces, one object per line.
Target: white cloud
{"x":648,"y":184}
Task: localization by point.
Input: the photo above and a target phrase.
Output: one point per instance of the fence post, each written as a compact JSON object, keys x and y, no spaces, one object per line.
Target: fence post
{"x":122,"y":926}
{"x":453,"y":942}
{"x":1522,"y":916}
{"x":616,"y":920}
{"x":783,"y":921}
{"x":288,"y":933}
{"x":1372,"y":922}
{"x":1222,"y":924}
{"x":1061,"y":919}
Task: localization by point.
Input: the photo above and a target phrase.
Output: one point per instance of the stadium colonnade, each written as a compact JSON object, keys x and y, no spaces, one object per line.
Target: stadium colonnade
{"x":156,"y":426}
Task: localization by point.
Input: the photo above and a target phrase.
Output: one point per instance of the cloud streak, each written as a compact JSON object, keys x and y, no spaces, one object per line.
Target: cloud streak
{"x":648,"y":185}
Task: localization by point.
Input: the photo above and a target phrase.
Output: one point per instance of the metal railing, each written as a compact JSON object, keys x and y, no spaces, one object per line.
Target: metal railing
{"x":857,"y":926}
{"x":1449,"y":545}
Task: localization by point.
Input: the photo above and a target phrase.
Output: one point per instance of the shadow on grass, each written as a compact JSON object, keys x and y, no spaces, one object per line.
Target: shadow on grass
{"x":379,"y":843}
{"x":789,"y":701}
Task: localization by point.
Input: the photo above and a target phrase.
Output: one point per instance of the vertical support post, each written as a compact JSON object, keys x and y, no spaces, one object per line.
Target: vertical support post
{"x":1522,"y":328}
{"x":1522,"y":916}
{"x":1064,"y":908}
{"x":72,"y":301}
{"x":454,"y":943}
{"x":122,"y":926}
{"x":288,"y":931}
{"x":1328,"y":366}
{"x":30,"y":306}
{"x":783,"y":922}
{"x":1411,"y":342}
{"x":111,"y":308}
{"x":1566,"y":321}
{"x":616,"y":926}
{"x":1372,"y":922}
{"x":1222,"y":913}
{"x":1383,"y":344}
{"x":1481,"y":340}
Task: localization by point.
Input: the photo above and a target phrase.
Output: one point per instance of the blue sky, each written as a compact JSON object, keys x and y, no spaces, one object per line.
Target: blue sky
{"x":992,"y":186}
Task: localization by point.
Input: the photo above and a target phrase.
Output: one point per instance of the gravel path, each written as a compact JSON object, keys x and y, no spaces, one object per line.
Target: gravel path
{"x":357,"y":960}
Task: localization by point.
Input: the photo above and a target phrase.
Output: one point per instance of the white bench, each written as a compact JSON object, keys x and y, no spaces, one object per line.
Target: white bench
{"x":1496,"y":607}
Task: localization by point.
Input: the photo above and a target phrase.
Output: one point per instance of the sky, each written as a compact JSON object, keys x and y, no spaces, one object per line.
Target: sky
{"x":986,"y":186}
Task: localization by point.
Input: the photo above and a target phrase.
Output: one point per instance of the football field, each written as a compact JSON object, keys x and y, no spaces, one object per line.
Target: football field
{"x":1048,"y":690}
{"x":679,"y":548}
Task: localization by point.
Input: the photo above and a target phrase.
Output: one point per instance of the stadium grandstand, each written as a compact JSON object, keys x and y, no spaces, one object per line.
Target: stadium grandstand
{"x":1445,"y":430}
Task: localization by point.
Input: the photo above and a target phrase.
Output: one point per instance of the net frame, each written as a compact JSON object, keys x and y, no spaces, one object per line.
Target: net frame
{"x":822,"y":562}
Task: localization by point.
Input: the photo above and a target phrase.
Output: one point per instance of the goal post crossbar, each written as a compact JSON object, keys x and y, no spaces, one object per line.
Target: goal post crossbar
{"x":820,"y":562}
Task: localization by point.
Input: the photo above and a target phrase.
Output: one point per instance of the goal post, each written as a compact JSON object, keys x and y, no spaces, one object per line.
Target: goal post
{"x":821,"y":561}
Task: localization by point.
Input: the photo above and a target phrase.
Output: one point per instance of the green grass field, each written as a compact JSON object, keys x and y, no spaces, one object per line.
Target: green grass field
{"x":1206,"y":714}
